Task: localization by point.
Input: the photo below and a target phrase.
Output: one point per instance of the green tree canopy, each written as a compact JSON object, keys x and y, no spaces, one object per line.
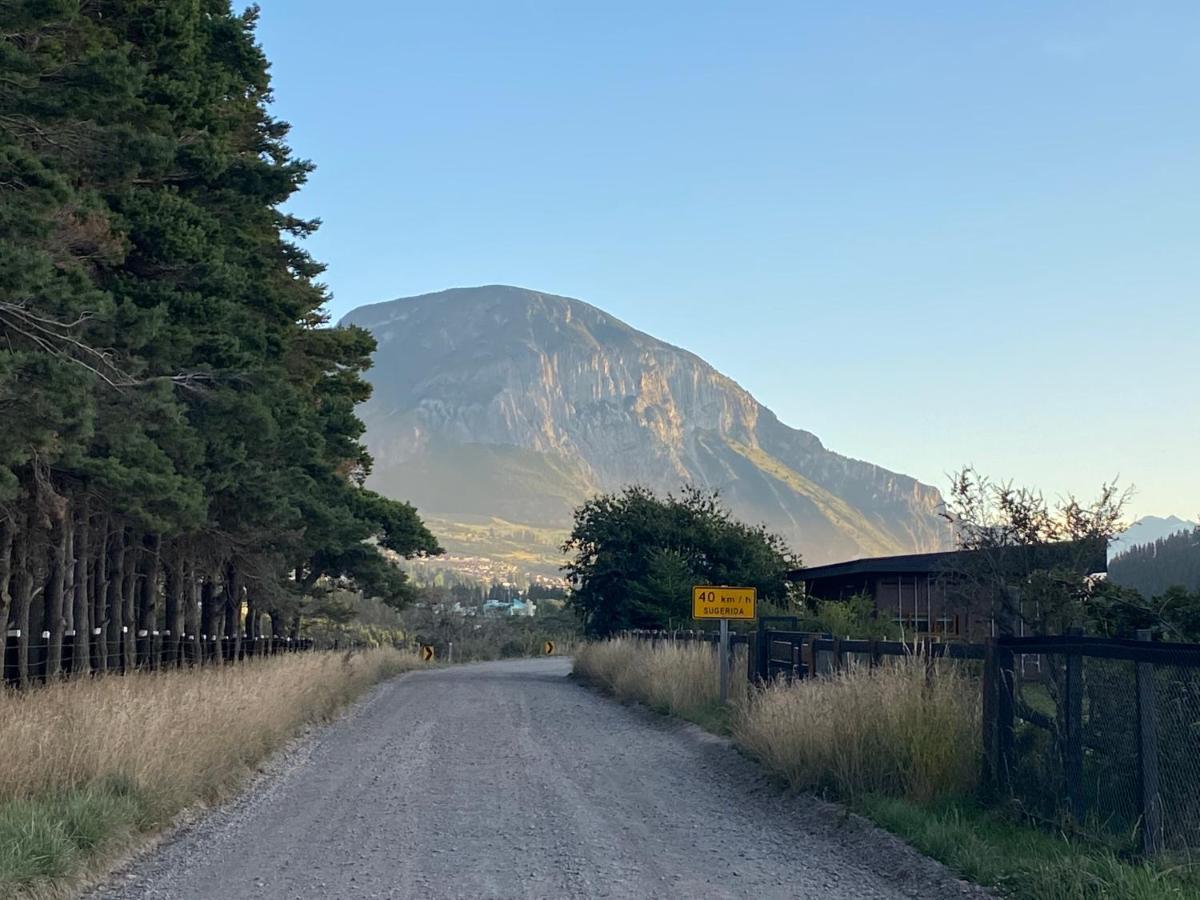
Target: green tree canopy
{"x":179,"y":416}
{"x":636,"y":557}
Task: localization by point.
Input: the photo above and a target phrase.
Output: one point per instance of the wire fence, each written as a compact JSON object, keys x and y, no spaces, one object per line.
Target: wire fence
{"x":33,"y":662}
{"x":1106,"y":739}
{"x":1094,"y":736}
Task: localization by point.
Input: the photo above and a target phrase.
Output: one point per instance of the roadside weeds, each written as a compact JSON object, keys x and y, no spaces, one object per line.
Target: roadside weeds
{"x":898,"y":749}
{"x":95,"y":768}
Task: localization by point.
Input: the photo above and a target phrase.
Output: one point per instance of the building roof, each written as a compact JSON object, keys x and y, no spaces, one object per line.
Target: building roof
{"x":1087,"y":557}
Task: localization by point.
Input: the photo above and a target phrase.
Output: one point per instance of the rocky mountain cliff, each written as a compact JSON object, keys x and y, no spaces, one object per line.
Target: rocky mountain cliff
{"x":507,"y":403}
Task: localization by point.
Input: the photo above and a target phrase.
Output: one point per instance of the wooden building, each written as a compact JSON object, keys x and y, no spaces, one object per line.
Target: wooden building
{"x":931,"y":594}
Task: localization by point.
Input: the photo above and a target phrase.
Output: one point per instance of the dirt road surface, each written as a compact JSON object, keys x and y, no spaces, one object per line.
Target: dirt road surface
{"x":509,"y":780}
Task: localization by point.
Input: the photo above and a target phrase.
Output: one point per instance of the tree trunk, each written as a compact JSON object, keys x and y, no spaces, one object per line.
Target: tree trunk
{"x":68,"y":652}
{"x":173,"y":616}
{"x":147,"y":600}
{"x":82,"y":621}
{"x":101,"y":615}
{"x":114,"y":602}
{"x":208,"y":618}
{"x":233,"y":609}
{"x":23,"y":598}
{"x":6,"y":548}
{"x":191,"y":614}
{"x":53,"y":620}
{"x":128,"y":604}
{"x":253,"y":626}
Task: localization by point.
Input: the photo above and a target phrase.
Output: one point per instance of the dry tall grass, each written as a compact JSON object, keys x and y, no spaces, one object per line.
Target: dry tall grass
{"x":888,"y":730}
{"x":674,"y":677}
{"x":177,"y":736}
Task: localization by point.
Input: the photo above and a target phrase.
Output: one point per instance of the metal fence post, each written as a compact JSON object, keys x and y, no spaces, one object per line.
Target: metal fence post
{"x":1148,"y":782}
{"x":1006,"y":682}
{"x":1073,"y":762}
{"x":988,"y":717}
{"x":723,"y":662}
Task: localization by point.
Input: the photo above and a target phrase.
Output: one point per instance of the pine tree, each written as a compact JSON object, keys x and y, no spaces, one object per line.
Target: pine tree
{"x":182,"y":438}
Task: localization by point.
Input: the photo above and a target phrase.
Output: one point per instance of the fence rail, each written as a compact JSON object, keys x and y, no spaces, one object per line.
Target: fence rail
{"x":1100,"y":735}
{"x":710,"y":637}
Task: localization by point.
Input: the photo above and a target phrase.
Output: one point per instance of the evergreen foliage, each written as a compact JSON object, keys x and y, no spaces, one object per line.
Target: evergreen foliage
{"x":637,"y":557}
{"x":1152,"y":569}
{"x":180,"y":437}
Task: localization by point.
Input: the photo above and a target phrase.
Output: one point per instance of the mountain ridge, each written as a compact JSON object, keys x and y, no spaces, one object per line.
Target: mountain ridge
{"x":500,"y":384}
{"x":1147,"y":530}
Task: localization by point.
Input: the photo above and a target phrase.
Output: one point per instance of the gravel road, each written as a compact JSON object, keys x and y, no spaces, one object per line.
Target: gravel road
{"x":510,"y":780}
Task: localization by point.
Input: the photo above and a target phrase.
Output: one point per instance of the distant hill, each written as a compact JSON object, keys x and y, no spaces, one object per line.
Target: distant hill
{"x":1152,"y":568}
{"x":1147,"y":530}
{"x":504,"y":406}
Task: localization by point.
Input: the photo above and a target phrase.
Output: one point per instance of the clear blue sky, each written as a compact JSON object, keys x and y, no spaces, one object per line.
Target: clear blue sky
{"x":931,"y":233}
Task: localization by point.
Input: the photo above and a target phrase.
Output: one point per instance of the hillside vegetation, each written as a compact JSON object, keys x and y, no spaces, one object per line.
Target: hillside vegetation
{"x":1154,"y":568}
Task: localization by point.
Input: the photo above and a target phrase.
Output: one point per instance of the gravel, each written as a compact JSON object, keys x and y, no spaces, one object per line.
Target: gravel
{"x":510,"y":780}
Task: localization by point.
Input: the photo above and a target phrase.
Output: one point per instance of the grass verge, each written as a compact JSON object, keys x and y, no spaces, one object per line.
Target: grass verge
{"x":990,"y":848}
{"x":900,"y":750}
{"x":93,"y":767}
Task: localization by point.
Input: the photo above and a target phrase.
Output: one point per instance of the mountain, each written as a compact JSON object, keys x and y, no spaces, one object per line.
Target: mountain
{"x":497,"y":408}
{"x":1147,"y":530}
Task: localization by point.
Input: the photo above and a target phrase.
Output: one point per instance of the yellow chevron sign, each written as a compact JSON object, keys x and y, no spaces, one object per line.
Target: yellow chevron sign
{"x":548,"y":648}
{"x":427,"y":653}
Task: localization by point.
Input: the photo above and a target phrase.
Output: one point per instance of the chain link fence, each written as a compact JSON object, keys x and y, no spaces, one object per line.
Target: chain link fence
{"x":1105,"y":739}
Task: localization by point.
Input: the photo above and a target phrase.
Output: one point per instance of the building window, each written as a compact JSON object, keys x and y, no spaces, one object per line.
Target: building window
{"x":947,"y":624}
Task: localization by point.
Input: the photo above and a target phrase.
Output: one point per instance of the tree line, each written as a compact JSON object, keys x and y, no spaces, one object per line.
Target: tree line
{"x":1028,"y":565}
{"x":1155,"y":568}
{"x":179,"y":441}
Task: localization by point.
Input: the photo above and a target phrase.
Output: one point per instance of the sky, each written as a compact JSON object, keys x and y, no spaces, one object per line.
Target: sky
{"x":932,"y":234}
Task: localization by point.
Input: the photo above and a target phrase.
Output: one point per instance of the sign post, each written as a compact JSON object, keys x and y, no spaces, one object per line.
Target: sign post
{"x":724,"y":665}
{"x":724,"y":603}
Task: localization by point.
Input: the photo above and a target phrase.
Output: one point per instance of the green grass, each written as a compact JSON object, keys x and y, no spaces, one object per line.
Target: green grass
{"x":711,"y":717}
{"x":59,"y":835}
{"x":1023,"y":862}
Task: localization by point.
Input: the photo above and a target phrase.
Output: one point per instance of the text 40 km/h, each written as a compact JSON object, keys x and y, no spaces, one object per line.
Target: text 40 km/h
{"x":718,"y":602}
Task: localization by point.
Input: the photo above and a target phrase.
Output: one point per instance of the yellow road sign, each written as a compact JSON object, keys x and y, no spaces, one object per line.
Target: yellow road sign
{"x":720,"y":602}
{"x":427,"y":653}
{"x":548,"y":648}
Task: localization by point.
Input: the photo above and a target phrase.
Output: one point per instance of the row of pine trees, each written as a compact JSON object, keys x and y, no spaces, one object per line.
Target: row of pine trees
{"x":178,"y":439}
{"x":1153,"y":569}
